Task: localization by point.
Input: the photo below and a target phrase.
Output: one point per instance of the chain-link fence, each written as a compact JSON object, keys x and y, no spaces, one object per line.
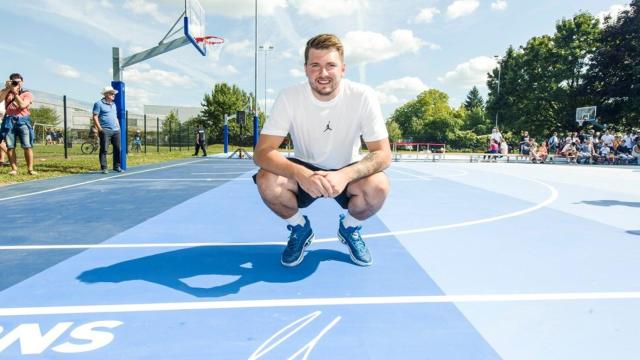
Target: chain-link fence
{"x":58,"y":117}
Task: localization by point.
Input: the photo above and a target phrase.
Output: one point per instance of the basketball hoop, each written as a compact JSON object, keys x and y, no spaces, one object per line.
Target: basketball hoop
{"x":580,"y":121}
{"x":210,"y":40}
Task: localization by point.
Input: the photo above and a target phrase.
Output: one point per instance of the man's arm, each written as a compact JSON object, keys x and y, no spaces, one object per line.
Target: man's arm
{"x":268,"y":158}
{"x":96,"y":122}
{"x":4,"y":92}
{"x":378,"y":159}
{"x":22,"y":103}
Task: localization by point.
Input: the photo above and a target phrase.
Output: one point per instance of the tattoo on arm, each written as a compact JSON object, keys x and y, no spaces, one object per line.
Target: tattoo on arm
{"x":370,"y":164}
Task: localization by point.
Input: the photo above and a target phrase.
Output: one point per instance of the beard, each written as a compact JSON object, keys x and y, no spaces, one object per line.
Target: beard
{"x":324,"y":89}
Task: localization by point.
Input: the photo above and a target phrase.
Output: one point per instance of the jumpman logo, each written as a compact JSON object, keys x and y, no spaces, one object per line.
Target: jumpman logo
{"x":328,"y":128}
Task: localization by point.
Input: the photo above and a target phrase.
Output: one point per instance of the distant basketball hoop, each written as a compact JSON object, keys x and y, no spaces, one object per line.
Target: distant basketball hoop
{"x":586,"y":114}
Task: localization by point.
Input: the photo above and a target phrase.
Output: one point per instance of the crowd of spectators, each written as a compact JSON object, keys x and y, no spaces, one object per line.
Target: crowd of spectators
{"x":585,"y":147}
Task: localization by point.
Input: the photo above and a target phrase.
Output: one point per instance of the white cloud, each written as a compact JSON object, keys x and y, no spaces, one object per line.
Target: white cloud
{"x":66,"y":71}
{"x":106,"y":4}
{"x":329,"y":8}
{"x":370,"y":47}
{"x":63,"y":70}
{"x":462,"y":8}
{"x":137,"y":98}
{"x":242,"y":48}
{"x":242,"y":8}
{"x":613,"y":11}
{"x":470,"y":73}
{"x":296,"y":73}
{"x":143,"y":74}
{"x":399,"y":90}
{"x":146,"y":8}
{"x":499,"y":5}
{"x":426,"y":15}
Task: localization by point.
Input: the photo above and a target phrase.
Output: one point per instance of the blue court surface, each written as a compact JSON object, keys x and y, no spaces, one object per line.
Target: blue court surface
{"x":182,"y":261}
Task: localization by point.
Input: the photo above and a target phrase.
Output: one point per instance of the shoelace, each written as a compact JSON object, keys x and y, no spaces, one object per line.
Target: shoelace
{"x":356,"y":239}
{"x":291,"y":244}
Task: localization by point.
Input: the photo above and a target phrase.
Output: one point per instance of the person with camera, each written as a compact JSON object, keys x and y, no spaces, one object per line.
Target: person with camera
{"x":16,"y":123}
{"x":105,"y":119}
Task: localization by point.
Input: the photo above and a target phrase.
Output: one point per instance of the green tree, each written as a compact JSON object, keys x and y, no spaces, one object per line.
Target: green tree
{"x":614,"y":75}
{"x":225,"y":99}
{"x":47,"y":117}
{"x":474,"y":100}
{"x":540,"y":84}
{"x":429,"y":117}
{"x":170,"y":127}
{"x":394,"y":131}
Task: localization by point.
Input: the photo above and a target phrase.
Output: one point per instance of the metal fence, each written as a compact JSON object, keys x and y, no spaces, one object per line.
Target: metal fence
{"x":74,"y":124}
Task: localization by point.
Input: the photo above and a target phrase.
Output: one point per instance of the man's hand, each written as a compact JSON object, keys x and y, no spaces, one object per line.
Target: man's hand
{"x":315,"y":184}
{"x":337,"y":180}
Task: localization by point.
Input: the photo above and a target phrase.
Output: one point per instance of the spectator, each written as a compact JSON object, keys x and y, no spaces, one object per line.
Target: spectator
{"x":586,"y":153}
{"x":543,"y":153}
{"x":496,"y":135}
{"x":17,"y":122}
{"x":606,"y":155}
{"x":533,"y":151}
{"x":569,"y":151}
{"x":553,"y":145}
{"x":524,"y":144}
{"x":493,"y":150}
{"x":635,"y":151}
{"x":504,"y":148}
{"x":607,"y":138}
{"x":136,"y":143}
{"x":4,"y":155}
{"x":105,"y":119}
{"x":201,"y":141}
{"x":49,"y":137}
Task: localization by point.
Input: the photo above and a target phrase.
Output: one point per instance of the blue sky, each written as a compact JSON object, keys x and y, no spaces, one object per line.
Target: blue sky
{"x":400,"y":48}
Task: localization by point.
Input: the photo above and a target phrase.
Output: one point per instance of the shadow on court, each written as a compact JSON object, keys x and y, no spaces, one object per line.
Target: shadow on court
{"x":611,"y":203}
{"x":634,"y":232}
{"x":251,"y":264}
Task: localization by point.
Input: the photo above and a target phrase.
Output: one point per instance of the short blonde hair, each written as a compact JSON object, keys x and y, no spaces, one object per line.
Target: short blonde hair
{"x":323,"y":42}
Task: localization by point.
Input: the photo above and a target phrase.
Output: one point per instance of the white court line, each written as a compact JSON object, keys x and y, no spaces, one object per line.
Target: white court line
{"x":552,"y":197}
{"x":341,"y":301}
{"x":95,"y":180}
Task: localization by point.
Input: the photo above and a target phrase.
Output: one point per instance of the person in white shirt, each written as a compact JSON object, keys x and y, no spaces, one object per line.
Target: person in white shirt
{"x":496,"y":135}
{"x":325,"y":117}
{"x":607,"y":138}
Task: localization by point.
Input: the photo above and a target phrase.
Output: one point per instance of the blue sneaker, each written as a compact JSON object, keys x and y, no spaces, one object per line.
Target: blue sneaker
{"x":357,"y":248}
{"x":301,"y":236}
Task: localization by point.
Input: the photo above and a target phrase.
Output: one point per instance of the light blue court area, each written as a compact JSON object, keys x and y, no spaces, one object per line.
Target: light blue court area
{"x":182,"y":261}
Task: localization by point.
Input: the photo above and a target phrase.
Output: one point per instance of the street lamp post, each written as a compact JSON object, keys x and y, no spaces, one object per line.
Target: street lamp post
{"x":265,"y":48}
{"x":499,"y":60}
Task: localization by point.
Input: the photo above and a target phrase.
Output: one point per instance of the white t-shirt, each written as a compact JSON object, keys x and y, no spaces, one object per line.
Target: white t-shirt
{"x":327,"y":133}
{"x":607,"y":139}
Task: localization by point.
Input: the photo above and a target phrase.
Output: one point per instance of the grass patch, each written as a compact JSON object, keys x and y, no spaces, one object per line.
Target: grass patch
{"x":49,"y":161}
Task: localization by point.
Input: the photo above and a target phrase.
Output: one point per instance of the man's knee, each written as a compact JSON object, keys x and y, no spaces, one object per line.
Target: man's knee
{"x":374,"y":188}
{"x":268,"y":184}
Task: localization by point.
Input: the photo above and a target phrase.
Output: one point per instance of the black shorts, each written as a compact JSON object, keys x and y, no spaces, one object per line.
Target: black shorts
{"x":304,"y":199}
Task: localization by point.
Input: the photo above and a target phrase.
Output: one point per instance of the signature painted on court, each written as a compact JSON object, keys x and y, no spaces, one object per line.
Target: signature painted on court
{"x":288,"y":331}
